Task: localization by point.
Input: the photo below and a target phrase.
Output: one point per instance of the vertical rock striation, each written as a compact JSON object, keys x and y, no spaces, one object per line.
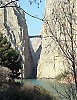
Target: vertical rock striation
{"x":13,"y":25}
{"x":52,"y":60}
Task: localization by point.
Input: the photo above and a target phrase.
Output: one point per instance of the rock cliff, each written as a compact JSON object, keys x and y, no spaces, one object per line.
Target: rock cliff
{"x":13,"y":25}
{"x":45,"y":59}
{"x":52,"y":60}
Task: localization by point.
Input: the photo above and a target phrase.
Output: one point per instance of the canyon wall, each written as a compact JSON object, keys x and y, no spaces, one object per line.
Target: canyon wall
{"x":56,"y":28}
{"x":49,"y":55}
{"x":13,"y":26}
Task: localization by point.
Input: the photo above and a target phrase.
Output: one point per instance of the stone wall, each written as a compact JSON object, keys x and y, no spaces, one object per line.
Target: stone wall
{"x":13,"y":25}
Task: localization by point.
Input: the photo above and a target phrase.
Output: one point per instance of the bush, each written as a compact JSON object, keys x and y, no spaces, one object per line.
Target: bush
{"x":62,"y":76}
{"x":27,"y":93}
{"x":4,"y":75}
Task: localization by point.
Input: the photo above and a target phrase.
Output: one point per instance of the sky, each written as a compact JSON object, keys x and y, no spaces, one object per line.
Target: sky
{"x":34,"y":25}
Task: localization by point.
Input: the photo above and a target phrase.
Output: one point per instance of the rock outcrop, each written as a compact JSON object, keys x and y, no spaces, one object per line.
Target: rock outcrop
{"x":13,"y":25}
{"x":52,"y":60}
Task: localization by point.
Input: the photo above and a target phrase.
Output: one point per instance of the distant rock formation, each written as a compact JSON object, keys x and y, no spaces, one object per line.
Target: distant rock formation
{"x":37,"y":47}
{"x":13,"y":25}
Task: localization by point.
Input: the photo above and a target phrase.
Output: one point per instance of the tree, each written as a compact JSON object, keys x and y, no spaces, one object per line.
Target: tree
{"x":35,"y":1}
{"x":9,"y":57}
{"x":61,"y":24}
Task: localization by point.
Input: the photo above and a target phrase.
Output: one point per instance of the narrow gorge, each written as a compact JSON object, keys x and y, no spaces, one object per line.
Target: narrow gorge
{"x":43,"y":58}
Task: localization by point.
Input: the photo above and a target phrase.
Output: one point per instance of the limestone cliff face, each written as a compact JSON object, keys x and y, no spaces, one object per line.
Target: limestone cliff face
{"x":13,"y":25}
{"x":52,"y":61}
{"x":37,"y":47}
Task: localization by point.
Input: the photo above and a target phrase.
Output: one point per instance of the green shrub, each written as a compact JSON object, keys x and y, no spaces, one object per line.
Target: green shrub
{"x":62,"y":75}
{"x":10,"y":57}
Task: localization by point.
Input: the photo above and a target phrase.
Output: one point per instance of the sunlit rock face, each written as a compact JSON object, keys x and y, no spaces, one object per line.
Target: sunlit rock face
{"x":13,"y":25}
{"x":52,"y":60}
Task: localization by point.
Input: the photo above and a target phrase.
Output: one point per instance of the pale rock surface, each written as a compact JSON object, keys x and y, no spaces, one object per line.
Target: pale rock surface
{"x":13,"y":26}
{"x":52,"y":61}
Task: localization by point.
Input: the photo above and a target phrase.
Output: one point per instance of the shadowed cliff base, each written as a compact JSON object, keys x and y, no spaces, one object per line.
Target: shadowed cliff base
{"x":37,"y":47}
{"x":37,"y":57}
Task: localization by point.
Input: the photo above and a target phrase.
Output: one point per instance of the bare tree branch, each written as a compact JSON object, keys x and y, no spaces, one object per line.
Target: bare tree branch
{"x":8,"y":4}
